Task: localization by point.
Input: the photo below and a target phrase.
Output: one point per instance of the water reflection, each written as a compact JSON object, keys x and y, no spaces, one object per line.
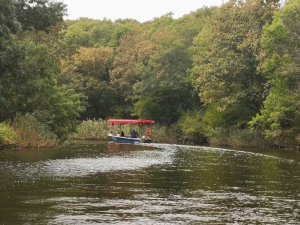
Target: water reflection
{"x":94,"y":183}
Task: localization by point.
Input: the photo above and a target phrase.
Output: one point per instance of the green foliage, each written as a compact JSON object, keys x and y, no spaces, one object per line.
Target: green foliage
{"x":235,"y":116}
{"x":226,"y":72}
{"x":7,"y":134}
{"x":164,"y":106}
{"x":218,"y":136}
{"x":89,"y":71}
{"x":39,"y":15}
{"x":34,"y":68}
{"x":155,"y":59}
{"x":247,"y":138}
{"x":279,"y":117}
{"x":191,"y":126}
{"x":229,"y":126}
{"x":190,"y":25}
{"x":8,"y":21}
{"x":163,"y":134}
{"x":95,"y":33}
{"x":32,"y":133}
{"x":60,"y":112}
{"x":224,"y":136}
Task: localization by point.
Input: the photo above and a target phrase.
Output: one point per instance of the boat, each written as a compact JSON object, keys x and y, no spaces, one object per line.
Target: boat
{"x":141,"y":123}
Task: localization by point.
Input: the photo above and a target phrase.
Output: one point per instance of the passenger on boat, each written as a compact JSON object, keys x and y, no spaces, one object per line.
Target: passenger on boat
{"x":134,"y":134}
{"x":122,"y":134}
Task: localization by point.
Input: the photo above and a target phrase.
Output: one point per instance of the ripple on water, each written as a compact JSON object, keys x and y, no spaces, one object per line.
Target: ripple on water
{"x":78,"y":167}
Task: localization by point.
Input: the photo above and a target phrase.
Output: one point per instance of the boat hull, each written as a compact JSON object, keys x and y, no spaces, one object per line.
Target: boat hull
{"x":118,"y":139}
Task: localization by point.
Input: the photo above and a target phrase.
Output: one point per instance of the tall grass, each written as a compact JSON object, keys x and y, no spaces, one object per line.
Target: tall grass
{"x":247,"y":138}
{"x":33,"y":134}
{"x":163,"y":134}
{"x":237,"y":137}
{"x":92,"y":130}
{"x":218,"y":137}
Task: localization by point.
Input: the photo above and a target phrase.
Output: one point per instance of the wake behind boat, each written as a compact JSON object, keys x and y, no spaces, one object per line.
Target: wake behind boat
{"x":133,"y":137}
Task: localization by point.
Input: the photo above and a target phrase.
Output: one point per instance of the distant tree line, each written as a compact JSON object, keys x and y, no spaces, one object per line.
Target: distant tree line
{"x":213,"y":73}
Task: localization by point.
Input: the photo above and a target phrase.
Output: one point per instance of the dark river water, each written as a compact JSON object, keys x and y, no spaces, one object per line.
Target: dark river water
{"x":105,"y":183}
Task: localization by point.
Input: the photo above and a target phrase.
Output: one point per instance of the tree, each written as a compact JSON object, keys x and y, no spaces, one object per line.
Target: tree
{"x":134,"y":50}
{"x":29,"y":68}
{"x":90,"y":67}
{"x":279,"y":116}
{"x":8,"y":19}
{"x":165,"y":72}
{"x":30,"y":86}
{"x":39,"y":15}
{"x":226,"y":72}
{"x":165,"y":106}
{"x":190,"y":25}
{"x":95,"y":33}
{"x":151,"y":64}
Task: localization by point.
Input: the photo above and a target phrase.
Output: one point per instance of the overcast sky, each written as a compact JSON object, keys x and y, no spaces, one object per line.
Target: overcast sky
{"x":141,"y":10}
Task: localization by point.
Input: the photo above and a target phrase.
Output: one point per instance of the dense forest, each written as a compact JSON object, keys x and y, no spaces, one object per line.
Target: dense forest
{"x":228,"y":74}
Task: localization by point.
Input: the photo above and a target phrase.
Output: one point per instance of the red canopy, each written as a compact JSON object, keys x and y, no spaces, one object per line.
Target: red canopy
{"x":125,"y":121}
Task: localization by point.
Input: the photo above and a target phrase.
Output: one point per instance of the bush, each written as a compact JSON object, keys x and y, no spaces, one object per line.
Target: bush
{"x":7,"y":134}
{"x":218,"y":136}
{"x":190,"y":127}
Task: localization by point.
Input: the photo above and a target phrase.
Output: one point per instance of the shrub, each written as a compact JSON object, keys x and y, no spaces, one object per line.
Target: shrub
{"x":7,"y":134}
{"x":190,"y":127}
{"x":218,"y":136}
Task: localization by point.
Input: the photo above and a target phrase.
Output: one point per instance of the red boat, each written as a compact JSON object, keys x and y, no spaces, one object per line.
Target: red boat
{"x":118,"y":138}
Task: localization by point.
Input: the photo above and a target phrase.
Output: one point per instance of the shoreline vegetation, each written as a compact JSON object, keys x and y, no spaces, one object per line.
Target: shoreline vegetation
{"x":27,"y":132}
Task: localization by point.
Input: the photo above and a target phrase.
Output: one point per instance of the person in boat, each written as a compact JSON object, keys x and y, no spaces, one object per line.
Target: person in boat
{"x":122,"y":134}
{"x":134,"y":134}
{"x":148,"y":135}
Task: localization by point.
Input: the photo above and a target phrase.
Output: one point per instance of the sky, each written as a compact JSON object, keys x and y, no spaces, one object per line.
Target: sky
{"x":141,"y":10}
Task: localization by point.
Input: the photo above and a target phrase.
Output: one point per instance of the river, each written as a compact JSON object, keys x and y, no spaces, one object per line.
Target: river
{"x":106,"y":183}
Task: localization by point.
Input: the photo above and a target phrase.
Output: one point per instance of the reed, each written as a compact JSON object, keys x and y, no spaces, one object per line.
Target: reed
{"x":163,"y":134}
{"x":92,"y":130}
{"x":33,"y":134}
{"x":246,"y":138}
{"x":218,"y":137}
{"x":237,"y":137}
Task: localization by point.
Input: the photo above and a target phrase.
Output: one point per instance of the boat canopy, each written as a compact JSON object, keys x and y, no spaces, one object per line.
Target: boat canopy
{"x":126,"y":121}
